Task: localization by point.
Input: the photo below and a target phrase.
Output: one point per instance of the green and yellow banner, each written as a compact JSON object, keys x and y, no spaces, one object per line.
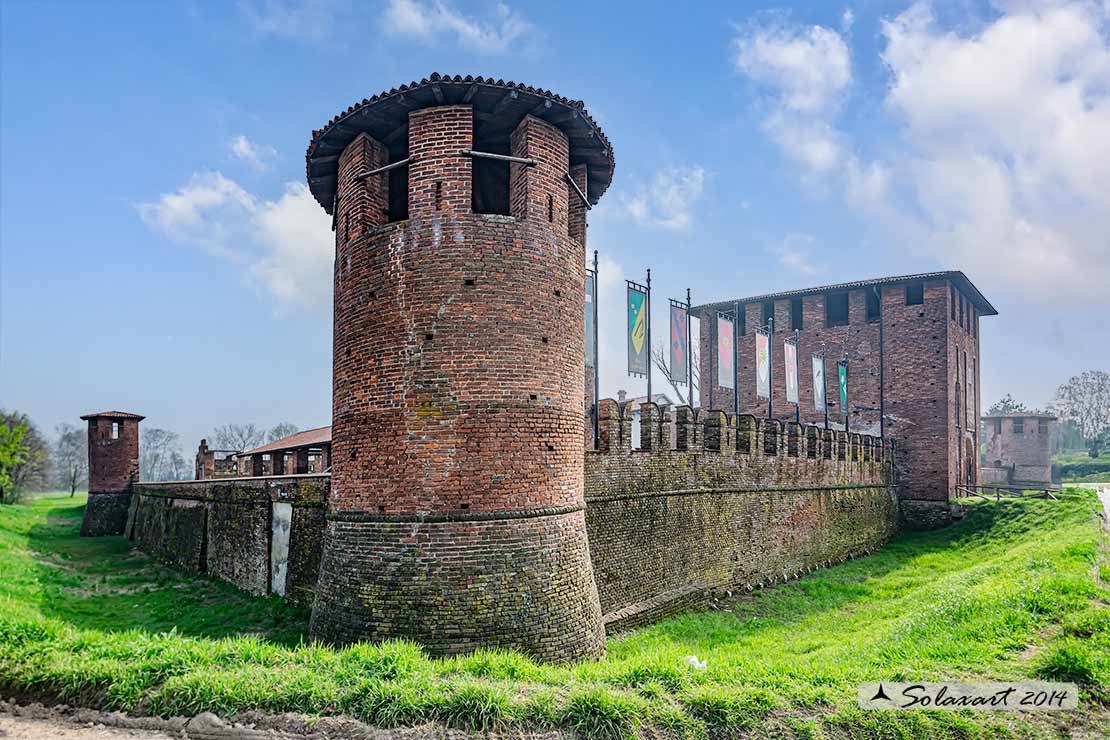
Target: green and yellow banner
{"x":638,"y":360}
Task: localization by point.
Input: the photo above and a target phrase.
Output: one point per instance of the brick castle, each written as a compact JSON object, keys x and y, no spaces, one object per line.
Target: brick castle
{"x":912,"y":345}
{"x":461,"y":509}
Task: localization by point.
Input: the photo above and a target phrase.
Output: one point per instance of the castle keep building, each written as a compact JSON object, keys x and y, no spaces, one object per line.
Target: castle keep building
{"x":912,"y":344}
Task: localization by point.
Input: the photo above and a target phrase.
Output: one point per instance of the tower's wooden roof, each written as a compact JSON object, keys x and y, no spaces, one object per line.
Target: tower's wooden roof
{"x":498,"y":107}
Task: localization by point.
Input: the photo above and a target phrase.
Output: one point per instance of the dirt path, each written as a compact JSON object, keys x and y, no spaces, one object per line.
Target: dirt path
{"x":28,"y":728}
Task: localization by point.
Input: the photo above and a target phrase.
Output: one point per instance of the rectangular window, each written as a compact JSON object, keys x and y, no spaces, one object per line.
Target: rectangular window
{"x":491,"y":178}
{"x":955,"y":297}
{"x":768,"y":313}
{"x":998,"y":426}
{"x":115,"y":430}
{"x":969,"y":397}
{"x":836,"y":309}
{"x":961,"y":311}
{"x":1042,"y":426}
{"x":796,"y":314}
{"x":872,"y":306}
{"x":915,"y":294}
{"x":1019,"y":425}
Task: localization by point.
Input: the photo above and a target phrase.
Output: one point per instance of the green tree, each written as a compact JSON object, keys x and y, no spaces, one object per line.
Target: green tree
{"x":30,"y":468}
{"x":13,"y":452}
{"x":1007,"y":405}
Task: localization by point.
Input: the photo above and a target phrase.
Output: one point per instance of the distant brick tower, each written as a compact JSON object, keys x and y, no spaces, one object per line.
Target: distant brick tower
{"x":113,"y":467}
{"x":456,"y":513}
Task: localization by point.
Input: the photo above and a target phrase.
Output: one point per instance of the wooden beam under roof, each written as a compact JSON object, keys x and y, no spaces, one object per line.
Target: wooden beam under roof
{"x":509,"y":97}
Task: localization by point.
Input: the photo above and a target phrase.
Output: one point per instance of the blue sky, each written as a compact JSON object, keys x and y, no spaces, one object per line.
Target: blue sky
{"x":159,"y":253}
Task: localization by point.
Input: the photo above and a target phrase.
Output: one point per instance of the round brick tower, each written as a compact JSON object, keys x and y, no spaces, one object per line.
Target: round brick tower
{"x":113,"y":467}
{"x":456,"y":513}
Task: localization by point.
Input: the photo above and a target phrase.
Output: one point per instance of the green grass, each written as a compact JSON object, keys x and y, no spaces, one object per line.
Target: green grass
{"x":1012,"y":592}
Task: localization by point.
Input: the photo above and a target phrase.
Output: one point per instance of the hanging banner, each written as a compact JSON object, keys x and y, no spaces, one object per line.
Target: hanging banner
{"x":679,"y":342}
{"x":637,"y":331}
{"x":726,"y":353}
{"x":819,"y":382}
{"x":790,"y":357}
{"x":842,"y":369}
{"x":762,"y":364}
{"x":591,"y":335}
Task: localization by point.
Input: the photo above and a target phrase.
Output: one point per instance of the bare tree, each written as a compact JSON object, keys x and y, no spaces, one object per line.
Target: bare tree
{"x":238,"y":437}
{"x":660,"y":356}
{"x":1085,"y":399}
{"x":281,"y":431}
{"x":157,"y":448}
{"x":71,"y":457}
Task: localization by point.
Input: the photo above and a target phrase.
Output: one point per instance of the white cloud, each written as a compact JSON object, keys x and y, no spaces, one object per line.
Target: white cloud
{"x":428,"y":20}
{"x":795,"y":253}
{"x":667,"y":202}
{"x":256,"y":156}
{"x":1000,"y":157}
{"x":847,"y":20}
{"x":284,"y":246}
{"x":810,"y":67}
{"x":304,"y":20}
{"x":807,"y":73}
{"x":1005,"y":134}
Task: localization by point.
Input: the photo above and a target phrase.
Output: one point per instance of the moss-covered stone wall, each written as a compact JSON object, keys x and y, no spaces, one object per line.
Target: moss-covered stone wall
{"x":225,"y":527}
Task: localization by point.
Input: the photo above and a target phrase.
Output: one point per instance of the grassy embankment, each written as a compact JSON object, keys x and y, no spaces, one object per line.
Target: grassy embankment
{"x":1015,"y":591}
{"x":1082,"y":468}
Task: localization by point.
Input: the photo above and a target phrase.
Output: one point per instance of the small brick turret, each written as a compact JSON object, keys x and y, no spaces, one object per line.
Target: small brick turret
{"x":113,"y":468}
{"x":456,"y":513}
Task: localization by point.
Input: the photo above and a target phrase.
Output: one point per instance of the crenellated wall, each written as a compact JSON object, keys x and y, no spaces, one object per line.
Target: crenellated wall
{"x":262,"y":534}
{"x":735,"y":503}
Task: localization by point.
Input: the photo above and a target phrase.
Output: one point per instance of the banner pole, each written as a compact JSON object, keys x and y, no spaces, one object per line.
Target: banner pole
{"x":647,"y":299}
{"x":736,"y":363}
{"x":846,"y":393}
{"x":882,"y":385}
{"x":770,"y":367}
{"x":798,"y":379}
{"x":597,"y":364}
{"x":824,"y":379}
{"x":689,"y":355}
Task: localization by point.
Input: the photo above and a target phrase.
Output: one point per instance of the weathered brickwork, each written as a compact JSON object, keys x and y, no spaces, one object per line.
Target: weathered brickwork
{"x":516,"y":583}
{"x":925,"y":348}
{"x":725,"y":510}
{"x":457,"y":395}
{"x":1018,"y":449}
{"x":113,"y":468}
{"x":224,"y":528}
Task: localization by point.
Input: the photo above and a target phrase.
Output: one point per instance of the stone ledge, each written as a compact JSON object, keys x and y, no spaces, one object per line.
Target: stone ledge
{"x":657,"y":607}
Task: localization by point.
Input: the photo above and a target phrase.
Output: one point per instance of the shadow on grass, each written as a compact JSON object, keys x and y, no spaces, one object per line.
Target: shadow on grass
{"x":910,"y":561}
{"x":105,"y":583}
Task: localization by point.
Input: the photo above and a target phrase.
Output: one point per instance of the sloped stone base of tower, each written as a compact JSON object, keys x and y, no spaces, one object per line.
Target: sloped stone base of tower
{"x":520,"y":582}
{"x":105,"y":514}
